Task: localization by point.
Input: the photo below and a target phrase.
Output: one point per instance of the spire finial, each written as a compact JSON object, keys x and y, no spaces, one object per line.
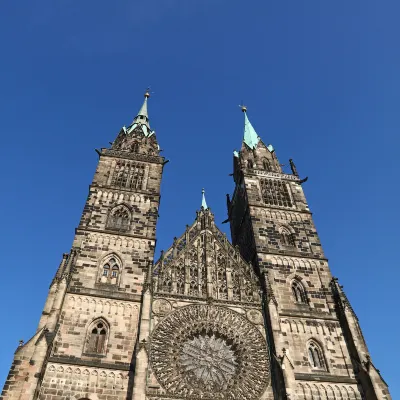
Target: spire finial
{"x":147,"y":93}
{"x":203,"y":199}
{"x":243,"y":107}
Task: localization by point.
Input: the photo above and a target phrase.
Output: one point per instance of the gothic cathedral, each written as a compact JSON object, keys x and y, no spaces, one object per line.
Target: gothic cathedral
{"x":258,"y":318}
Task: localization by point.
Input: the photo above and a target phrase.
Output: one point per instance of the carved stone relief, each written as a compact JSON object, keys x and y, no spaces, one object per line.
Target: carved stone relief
{"x":161,"y":307}
{"x":255,"y":317}
{"x":209,"y":351}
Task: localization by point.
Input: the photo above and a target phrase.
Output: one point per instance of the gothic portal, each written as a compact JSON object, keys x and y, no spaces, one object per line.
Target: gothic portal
{"x":258,"y":318}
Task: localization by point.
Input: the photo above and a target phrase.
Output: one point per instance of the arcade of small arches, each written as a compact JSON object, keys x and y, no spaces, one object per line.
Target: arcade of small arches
{"x":320,"y":391}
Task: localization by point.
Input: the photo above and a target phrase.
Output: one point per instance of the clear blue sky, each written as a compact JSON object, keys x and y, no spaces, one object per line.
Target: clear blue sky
{"x":321,"y":82}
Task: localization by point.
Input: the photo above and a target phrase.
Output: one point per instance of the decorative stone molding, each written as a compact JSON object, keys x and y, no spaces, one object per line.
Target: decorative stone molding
{"x":207,"y":351}
{"x":161,"y":307}
{"x":133,"y":156}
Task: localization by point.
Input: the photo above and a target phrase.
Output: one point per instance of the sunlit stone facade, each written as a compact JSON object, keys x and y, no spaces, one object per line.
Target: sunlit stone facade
{"x":258,"y":318}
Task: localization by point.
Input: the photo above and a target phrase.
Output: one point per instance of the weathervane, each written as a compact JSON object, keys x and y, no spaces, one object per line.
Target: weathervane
{"x":243,"y":107}
{"x":147,"y":93}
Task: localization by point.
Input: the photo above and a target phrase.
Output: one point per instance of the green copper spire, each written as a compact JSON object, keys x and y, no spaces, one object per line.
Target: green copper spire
{"x":143,"y":110}
{"x":250,"y":135}
{"x":142,"y":118}
{"x":203,"y":200}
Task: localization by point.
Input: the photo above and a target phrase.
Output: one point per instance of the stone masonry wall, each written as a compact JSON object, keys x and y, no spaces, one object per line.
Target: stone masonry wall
{"x":69,"y":382}
{"x":96,"y":247}
{"x":76,"y":318}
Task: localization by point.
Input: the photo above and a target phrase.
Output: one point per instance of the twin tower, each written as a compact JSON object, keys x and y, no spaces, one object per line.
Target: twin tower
{"x":258,"y":318}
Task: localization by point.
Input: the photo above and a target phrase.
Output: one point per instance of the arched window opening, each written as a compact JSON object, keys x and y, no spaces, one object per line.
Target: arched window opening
{"x":106,"y":270}
{"x":249,"y":164}
{"x":97,"y":338}
{"x":275,"y":193}
{"x":266,"y":165}
{"x":135,"y":147}
{"x":235,"y":278}
{"x":222,"y":287}
{"x":114,"y":274}
{"x":299,"y":293}
{"x":287,"y":238}
{"x":129,"y":175}
{"x":121,"y":178}
{"x":180,"y":279}
{"x":315,"y":356}
{"x":110,"y":272}
{"x":119,"y":219}
{"x":166,"y":280}
{"x":194,"y":280}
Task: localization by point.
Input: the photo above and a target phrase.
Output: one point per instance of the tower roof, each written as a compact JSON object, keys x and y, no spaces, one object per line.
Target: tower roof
{"x":250,"y":136}
{"x":142,"y":118}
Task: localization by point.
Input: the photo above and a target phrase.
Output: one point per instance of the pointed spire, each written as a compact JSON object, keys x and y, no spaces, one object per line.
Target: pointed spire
{"x":250,"y":135}
{"x":203,"y":200}
{"x":142,"y":119}
{"x":142,"y":115}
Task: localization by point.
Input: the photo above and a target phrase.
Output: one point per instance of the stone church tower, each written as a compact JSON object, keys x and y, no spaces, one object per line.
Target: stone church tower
{"x":261,"y":318}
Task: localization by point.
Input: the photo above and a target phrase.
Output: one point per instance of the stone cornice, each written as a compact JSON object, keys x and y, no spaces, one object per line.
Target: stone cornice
{"x":89,"y":363}
{"x":133,"y":156}
{"x":198,"y":300}
{"x":114,"y":233}
{"x":321,"y":377}
{"x":286,"y":209}
{"x":109,"y":294}
{"x":269,"y":174}
{"x":292,"y":255}
{"x":154,"y":196}
{"x":311,"y":314}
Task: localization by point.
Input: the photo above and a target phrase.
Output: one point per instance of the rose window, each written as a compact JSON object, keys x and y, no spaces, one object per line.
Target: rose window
{"x":209,"y":360}
{"x":210,"y":352}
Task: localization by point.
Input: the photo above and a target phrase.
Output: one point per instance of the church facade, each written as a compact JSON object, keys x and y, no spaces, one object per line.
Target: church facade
{"x":258,"y":318}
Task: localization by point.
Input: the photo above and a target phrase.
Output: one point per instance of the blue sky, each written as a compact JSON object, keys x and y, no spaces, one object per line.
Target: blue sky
{"x":321,"y":82}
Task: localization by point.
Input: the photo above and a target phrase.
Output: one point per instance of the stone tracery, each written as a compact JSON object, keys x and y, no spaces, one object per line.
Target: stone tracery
{"x":200,"y":264}
{"x":210,"y":352}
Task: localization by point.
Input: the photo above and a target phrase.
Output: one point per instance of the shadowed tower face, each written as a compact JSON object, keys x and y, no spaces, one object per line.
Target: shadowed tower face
{"x":317,"y":345}
{"x":261,"y":318}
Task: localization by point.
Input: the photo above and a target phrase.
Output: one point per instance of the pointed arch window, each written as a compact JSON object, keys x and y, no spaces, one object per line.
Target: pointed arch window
{"x":315,"y":356}
{"x":266,"y":165}
{"x":119,"y":219}
{"x":129,"y":175}
{"x":299,"y":294}
{"x":275,"y":193}
{"x":135,"y":147}
{"x":110,"y":272}
{"x":180,"y":279}
{"x":222,"y":286}
{"x":249,"y":164}
{"x":194,"y":280}
{"x":235,"y":278}
{"x":287,"y":238}
{"x":97,"y":337}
